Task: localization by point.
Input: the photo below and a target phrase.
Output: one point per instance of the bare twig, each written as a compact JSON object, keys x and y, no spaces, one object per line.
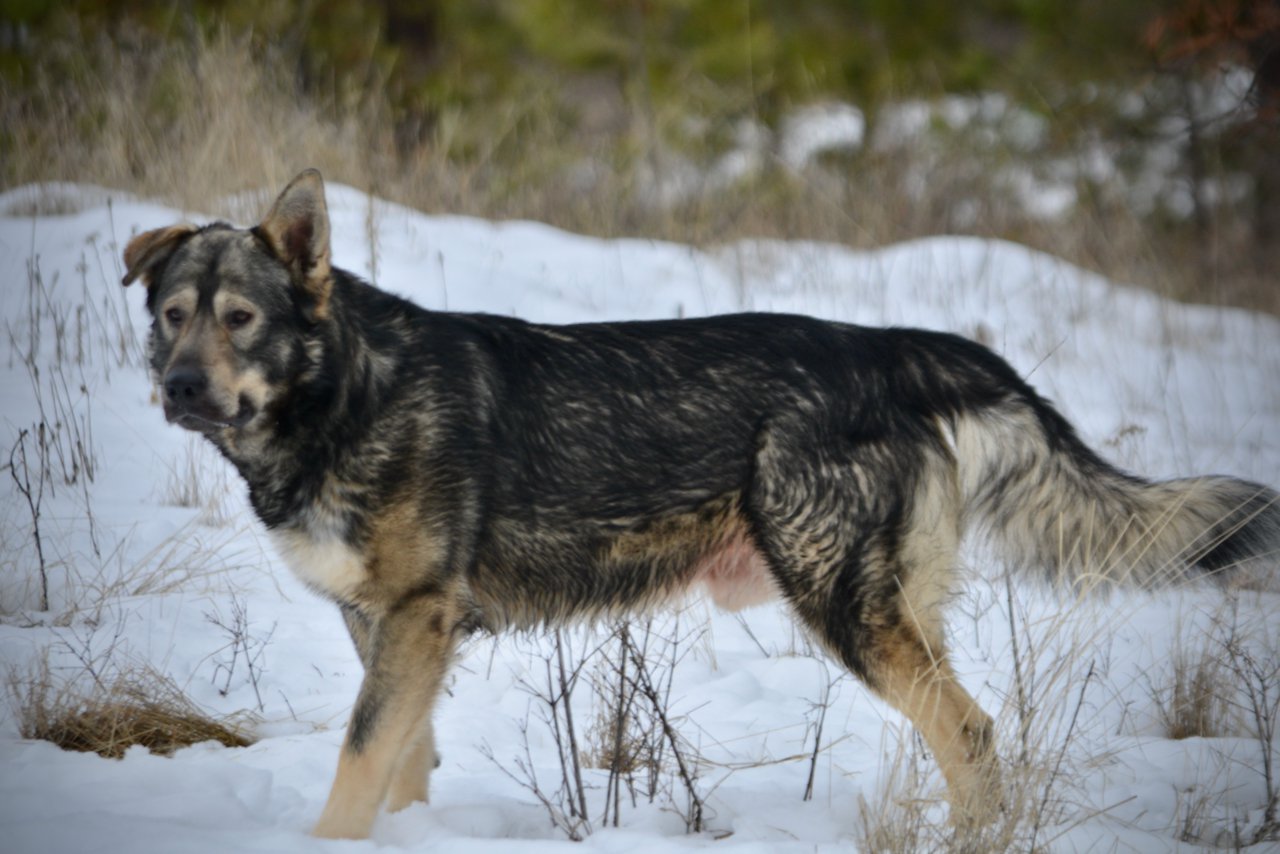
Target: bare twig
{"x":821,"y":706}
{"x":35,"y":497}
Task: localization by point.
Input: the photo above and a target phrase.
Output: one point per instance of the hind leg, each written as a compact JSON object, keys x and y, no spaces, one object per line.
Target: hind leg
{"x":914,"y":676}
{"x":906,"y":661}
{"x":896,"y":648}
{"x":892,"y":640}
{"x":863,"y":543}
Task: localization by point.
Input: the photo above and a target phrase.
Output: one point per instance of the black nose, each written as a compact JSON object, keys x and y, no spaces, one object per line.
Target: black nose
{"x":185,"y":385}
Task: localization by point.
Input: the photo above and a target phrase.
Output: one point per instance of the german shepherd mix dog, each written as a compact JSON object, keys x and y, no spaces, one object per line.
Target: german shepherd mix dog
{"x":437,"y":473}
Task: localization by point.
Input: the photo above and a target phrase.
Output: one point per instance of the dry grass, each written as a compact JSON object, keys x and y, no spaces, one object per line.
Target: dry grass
{"x":198,"y":479}
{"x":1039,"y":726}
{"x":1036,"y":797}
{"x":1195,"y":700}
{"x":137,"y":706}
{"x":907,"y":815}
{"x":187,"y":124}
{"x":210,"y":125}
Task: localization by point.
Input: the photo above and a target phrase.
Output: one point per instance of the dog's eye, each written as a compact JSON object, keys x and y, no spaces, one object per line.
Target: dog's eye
{"x":174,"y":316}
{"x":238,"y":318}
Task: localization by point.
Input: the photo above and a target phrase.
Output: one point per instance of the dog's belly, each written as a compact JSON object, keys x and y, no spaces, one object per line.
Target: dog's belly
{"x":735,"y":574}
{"x":708,"y":547}
{"x":527,"y":575}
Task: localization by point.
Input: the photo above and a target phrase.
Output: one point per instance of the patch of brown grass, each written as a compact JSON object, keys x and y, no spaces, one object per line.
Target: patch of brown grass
{"x":1195,"y":702}
{"x":135,"y":706}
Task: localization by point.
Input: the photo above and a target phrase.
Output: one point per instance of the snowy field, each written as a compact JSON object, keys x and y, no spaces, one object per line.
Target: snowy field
{"x":152,"y":557}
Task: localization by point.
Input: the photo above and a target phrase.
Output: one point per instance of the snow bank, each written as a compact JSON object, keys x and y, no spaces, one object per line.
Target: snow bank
{"x":149,"y":561}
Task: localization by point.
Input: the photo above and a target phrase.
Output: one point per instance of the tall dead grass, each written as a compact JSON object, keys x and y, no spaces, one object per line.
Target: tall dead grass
{"x":131,"y":706}
{"x":199,"y":122}
{"x":176,"y":121}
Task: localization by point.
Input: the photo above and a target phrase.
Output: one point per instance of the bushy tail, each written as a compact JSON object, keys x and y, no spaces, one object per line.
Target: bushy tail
{"x":1051,"y":504}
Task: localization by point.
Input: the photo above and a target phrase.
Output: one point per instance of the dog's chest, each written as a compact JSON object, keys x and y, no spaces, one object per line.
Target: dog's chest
{"x":314,"y":547}
{"x":322,"y":561}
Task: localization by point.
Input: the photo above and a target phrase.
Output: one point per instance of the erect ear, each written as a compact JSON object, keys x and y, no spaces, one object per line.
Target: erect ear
{"x":151,"y":248}
{"x":297,"y":230}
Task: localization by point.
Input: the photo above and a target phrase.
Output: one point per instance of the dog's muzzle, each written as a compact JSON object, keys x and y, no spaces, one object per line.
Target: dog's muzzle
{"x":187,"y":402}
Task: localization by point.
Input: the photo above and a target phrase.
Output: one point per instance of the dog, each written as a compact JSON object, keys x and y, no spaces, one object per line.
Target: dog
{"x":434,"y":474}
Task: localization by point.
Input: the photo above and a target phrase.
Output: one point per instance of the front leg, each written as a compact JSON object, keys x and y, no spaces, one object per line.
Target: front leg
{"x":412,"y":780}
{"x":408,"y":651}
{"x":361,"y":628}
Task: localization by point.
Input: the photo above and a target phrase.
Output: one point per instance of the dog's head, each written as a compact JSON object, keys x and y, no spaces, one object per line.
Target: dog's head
{"x":232,"y":309}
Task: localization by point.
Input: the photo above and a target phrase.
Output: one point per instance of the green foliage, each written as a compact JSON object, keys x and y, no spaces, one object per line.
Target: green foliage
{"x":752,"y":56}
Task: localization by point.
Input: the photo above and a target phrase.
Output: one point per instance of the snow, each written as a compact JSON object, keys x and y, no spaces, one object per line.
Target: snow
{"x":816,"y":128}
{"x":1008,"y":142}
{"x":149,"y":561}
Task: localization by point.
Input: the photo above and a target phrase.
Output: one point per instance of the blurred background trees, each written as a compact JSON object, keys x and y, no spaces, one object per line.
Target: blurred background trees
{"x":1138,"y":137}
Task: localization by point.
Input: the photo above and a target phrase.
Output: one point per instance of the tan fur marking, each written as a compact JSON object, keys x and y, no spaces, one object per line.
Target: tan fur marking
{"x":403,"y":682}
{"x":203,"y":340}
{"x":398,"y":556}
{"x":297,"y":227}
{"x":148,"y":248}
{"x":357,"y":791}
{"x":919,"y":682}
{"x":183,"y":298}
{"x":225,"y":302}
{"x":402,"y":552}
{"x":413,"y":639}
{"x":411,"y":782}
{"x":212,"y":351}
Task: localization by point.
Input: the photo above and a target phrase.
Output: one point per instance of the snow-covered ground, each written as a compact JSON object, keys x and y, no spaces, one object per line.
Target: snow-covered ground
{"x":150,"y":560}
{"x":1010,"y":144}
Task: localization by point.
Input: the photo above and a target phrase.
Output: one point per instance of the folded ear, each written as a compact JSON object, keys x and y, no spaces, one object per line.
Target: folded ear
{"x":297,"y":230}
{"x":150,"y":249}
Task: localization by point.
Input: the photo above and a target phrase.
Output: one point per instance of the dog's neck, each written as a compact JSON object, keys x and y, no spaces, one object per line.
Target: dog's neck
{"x":318,"y":432}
